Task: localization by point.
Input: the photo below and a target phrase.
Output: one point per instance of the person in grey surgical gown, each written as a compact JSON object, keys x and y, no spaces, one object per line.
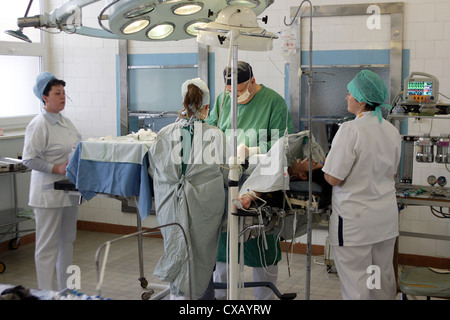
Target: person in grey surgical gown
{"x":189,"y":189}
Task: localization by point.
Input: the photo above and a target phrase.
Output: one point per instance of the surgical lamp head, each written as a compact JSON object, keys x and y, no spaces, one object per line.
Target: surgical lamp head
{"x":18,"y":34}
{"x":142,"y":20}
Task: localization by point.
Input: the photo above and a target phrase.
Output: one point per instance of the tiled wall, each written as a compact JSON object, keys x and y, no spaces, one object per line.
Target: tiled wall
{"x":88,"y":66}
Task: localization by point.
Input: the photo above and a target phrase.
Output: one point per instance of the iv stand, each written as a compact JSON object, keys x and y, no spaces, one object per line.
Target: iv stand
{"x":309,"y":73}
{"x":233,"y":183}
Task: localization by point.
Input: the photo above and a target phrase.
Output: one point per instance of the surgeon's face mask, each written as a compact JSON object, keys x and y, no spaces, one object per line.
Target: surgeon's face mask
{"x":244,"y":96}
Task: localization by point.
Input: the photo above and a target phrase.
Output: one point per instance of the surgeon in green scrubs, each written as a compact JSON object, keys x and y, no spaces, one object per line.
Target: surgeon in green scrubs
{"x":262,"y":118}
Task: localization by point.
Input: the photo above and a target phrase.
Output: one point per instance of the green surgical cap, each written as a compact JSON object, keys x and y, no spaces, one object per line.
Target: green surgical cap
{"x":368,"y":87}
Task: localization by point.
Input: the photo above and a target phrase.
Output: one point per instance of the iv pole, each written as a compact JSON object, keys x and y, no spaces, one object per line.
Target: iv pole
{"x":309,"y":73}
{"x":233,"y":186}
{"x":233,"y":181}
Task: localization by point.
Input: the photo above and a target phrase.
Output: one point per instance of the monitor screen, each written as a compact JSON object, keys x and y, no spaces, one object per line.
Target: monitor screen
{"x":420,"y":88}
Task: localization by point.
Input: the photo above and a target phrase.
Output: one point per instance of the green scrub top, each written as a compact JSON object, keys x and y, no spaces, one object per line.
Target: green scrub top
{"x":255,"y":121}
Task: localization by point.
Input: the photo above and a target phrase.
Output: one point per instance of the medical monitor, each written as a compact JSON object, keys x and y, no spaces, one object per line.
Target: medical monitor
{"x":421,"y":88}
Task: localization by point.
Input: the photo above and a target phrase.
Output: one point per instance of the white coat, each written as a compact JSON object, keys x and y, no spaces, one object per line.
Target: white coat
{"x":365,"y":155}
{"x":51,"y":138}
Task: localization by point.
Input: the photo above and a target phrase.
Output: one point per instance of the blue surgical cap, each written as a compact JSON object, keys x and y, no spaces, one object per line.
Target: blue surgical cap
{"x":41,"y":82}
{"x":368,"y":87}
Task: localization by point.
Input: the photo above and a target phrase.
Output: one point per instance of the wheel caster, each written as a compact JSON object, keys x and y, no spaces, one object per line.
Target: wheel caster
{"x":2,"y":267}
{"x":144,"y":282}
{"x":14,"y":243}
{"x":146,"y":295}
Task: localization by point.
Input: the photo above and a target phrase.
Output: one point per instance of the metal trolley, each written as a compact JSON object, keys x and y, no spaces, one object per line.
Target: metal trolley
{"x":148,"y":294}
{"x":11,"y":167}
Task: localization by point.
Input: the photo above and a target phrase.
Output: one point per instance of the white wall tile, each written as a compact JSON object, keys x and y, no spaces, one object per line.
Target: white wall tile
{"x":89,"y":67}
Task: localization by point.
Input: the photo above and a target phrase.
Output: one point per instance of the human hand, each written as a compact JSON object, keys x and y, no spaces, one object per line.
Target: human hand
{"x":246,"y":201}
{"x":60,"y":169}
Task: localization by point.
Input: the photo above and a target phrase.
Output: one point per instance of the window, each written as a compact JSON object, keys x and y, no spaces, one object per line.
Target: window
{"x":20,"y":63}
{"x":19,"y":74}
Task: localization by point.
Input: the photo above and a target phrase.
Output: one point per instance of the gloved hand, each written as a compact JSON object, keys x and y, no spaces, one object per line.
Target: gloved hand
{"x":242,"y":153}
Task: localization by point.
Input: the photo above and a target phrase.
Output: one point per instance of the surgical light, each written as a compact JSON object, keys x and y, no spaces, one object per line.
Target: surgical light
{"x":160,"y":31}
{"x":18,"y":33}
{"x":240,"y":18}
{"x":140,"y":11}
{"x":116,"y":19}
{"x":249,"y":3}
{"x":187,"y":9}
{"x":192,"y":27}
{"x":135,"y":26}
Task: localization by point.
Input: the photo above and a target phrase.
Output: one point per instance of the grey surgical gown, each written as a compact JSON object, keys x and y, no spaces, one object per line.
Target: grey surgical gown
{"x":195,"y":200}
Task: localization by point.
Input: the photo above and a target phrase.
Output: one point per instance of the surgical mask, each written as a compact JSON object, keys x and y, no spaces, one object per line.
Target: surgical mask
{"x":244,"y":97}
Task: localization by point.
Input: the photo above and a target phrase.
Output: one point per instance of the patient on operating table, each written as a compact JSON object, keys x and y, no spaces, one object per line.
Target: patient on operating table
{"x":297,"y":163}
{"x":298,"y":171}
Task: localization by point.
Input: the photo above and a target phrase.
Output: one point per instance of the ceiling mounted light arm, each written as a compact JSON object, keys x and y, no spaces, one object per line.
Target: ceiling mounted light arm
{"x":101,"y":16}
{"x":66,"y":18}
{"x":309,"y":73}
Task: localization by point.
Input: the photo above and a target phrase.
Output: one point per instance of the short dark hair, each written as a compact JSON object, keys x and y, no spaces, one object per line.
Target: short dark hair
{"x":51,"y":83}
{"x":244,"y":73}
{"x":371,"y":106}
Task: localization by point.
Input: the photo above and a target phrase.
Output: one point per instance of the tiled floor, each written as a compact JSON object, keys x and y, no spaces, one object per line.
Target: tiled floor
{"x":121,"y":280}
{"x":122,"y":269}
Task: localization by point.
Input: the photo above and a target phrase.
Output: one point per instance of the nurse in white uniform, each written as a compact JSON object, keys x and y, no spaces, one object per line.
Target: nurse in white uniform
{"x":50,"y":138}
{"x":361,"y":166}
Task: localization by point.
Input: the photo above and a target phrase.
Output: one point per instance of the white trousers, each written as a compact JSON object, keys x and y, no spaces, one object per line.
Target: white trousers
{"x":267,"y":274}
{"x":366,"y":272}
{"x":56,"y":230}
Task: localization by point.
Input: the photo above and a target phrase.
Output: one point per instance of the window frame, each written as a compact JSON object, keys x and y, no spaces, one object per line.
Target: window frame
{"x":15,"y":125}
